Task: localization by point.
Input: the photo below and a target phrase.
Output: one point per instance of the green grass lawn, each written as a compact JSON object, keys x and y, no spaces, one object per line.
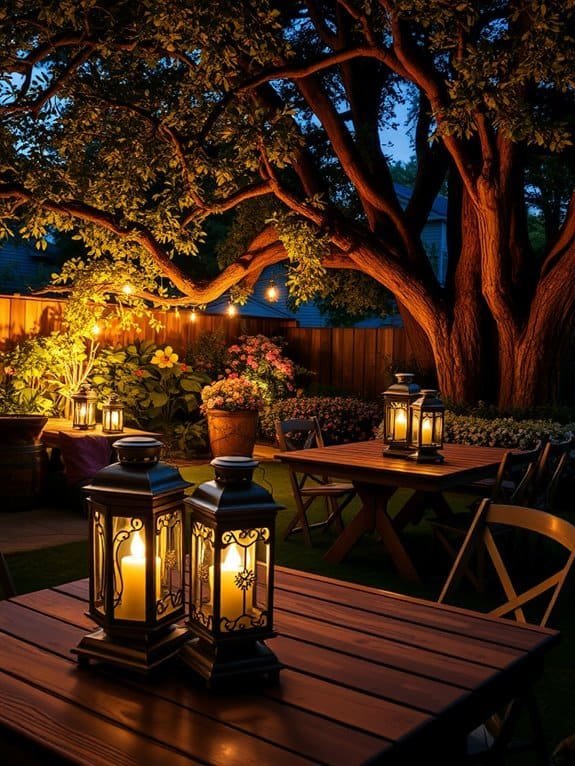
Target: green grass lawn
{"x":367,"y":564}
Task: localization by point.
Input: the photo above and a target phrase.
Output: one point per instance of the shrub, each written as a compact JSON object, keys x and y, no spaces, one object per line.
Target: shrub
{"x":208,"y":354}
{"x":342,"y":418}
{"x":502,"y":432}
{"x":157,"y":390}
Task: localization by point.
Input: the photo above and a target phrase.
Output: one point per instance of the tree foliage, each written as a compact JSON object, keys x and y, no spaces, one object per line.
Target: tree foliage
{"x":133,"y":124}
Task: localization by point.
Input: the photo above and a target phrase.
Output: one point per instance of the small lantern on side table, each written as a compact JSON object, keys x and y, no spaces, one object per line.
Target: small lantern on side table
{"x":112,"y":415}
{"x":136,"y":522}
{"x":84,"y":409}
{"x":427,"y":415}
{"x":397,"y":401}
{"x":231,"y":575}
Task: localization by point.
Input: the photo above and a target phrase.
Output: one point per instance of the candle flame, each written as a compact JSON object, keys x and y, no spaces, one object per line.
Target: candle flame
{"x":232,"y":560}
{"x":400,"y":417}
{"x":137,"y":546}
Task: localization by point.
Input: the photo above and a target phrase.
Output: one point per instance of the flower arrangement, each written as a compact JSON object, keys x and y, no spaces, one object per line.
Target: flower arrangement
{"x":261,"y":359}
{"x":232,"y":394}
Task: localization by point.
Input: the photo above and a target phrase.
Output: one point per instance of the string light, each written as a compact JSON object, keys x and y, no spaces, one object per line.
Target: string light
{"x":272,"y":292}
{"x":96,"y":330}
{"x":127,"y":289}
{"x":232,"y":310}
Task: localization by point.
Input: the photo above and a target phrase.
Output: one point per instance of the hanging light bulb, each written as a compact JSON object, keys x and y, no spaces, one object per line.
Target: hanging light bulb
{"x":193,"y":315}
{"x":177,"y":313}
{"x":272,"y":292}
{"x":232,"y":310}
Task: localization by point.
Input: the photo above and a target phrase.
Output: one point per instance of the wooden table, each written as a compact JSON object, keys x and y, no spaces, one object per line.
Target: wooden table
{"x":369,"y":677}
{"x":376,"y":478}
{"x":50,"y":436}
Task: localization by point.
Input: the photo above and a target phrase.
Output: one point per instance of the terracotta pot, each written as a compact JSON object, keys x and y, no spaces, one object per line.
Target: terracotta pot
{"x":232,"y":433}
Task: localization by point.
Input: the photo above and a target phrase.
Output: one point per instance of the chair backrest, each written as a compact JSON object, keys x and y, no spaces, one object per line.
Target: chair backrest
{"x":539,"y":487}
{"x":298,"y":434}
{"x":517,"y":467}
{"x":531,"y":520}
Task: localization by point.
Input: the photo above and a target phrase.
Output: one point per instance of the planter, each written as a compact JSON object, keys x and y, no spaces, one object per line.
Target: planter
{"x":232,"y":433}
{"x":21,"y":429}
{"x":23,"y":461}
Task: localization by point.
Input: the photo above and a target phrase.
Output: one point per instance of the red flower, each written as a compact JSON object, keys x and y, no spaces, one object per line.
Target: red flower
{"x":138,"y":373}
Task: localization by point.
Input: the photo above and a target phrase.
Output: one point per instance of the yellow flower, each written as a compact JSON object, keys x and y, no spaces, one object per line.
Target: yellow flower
{"x":164,"y":357}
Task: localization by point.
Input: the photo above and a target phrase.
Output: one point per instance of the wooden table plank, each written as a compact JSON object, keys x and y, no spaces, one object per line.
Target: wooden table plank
{"x":73,"y":733}
{"x":367,"y":463}
{"x":444,"y":617}
{"x":326,"y":740}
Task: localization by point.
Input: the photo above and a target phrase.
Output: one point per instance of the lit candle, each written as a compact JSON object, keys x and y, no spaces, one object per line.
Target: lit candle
{"x":115,"y":420}
{"x":83,"y":413}
{"x":400,"y":424}
{"x":232,"y":597}
{"x":427,"y":431}
{"x":133,"y":568}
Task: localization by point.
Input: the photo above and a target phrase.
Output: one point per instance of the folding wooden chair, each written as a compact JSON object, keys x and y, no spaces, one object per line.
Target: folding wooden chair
{"x":7,"y":589}
{"x":539,"y":489}
{"x":512,"y":484}
{"x":305,"y":434}
{"x":544,"y":593}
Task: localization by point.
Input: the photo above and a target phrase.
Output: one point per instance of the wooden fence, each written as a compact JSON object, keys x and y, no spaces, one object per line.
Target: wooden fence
{"x":356,"y":361}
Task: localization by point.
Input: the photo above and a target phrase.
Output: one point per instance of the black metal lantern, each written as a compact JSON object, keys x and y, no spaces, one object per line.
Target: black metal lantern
{"x":427,"y":414}
{"x":136,"y":522}
{"x":231,"y":575}
{"x":397,"y":401}
{"x":112,"y":415}
{"x":84,"y":409}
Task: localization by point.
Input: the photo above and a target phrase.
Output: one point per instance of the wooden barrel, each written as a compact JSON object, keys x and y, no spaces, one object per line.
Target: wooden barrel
{"x":22,"y":476}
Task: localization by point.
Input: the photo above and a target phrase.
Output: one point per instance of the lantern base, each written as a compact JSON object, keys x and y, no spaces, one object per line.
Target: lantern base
{"x":219,"y":664}
{"x":426,"y":456}
{"x":402,"y":452}
{"x":141,"y":656}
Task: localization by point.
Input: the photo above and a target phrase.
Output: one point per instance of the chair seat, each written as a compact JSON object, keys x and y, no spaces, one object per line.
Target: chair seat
{"x":328,"y":489}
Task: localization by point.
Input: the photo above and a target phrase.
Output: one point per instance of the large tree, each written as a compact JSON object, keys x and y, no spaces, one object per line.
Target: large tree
{"x":134,"y":123}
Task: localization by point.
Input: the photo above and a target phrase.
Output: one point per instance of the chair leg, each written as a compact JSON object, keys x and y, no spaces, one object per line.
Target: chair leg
{"x":6,"y":582}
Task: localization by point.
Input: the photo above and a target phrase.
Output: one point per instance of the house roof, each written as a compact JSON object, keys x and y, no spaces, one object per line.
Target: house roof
{"x":438,"y":210}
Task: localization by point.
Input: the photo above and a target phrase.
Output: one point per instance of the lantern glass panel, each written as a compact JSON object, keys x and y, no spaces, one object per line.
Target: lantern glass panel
{"x":397,"y":421}
{"x":98,"y":558}
{"x":242,"y":553}
{"x":130,"y":569}
{"x":112,"y":419}
{"x":169,"y":553}
{"x":438,"y":428}
{"x":427,"y":430}
{"x":202,"y":558}
{"x":84,"y":414}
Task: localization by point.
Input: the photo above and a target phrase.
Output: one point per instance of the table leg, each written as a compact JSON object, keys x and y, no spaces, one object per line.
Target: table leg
{"x":371,"y":516}
{"x":414,"y":508}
